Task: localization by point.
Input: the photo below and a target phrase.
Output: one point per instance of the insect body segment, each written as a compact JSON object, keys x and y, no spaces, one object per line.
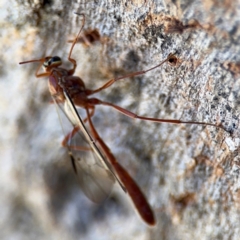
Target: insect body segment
{"x":52,"y":62}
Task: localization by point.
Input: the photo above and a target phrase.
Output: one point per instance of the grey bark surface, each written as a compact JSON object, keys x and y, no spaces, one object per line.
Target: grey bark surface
{"x":189,"y":173}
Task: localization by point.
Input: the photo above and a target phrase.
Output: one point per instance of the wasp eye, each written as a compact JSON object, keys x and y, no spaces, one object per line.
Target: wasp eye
{"x":52,"y":61}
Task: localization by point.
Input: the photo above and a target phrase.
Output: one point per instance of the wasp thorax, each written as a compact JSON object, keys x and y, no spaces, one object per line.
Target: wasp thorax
{"x":52,"y":62}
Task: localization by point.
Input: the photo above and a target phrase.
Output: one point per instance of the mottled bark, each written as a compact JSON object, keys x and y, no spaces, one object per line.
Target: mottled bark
{"x":190,"y":173}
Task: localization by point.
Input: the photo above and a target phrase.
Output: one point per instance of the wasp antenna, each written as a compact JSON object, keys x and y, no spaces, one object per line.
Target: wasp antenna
{"x":75,"y":40}
{"x":30,"y":61}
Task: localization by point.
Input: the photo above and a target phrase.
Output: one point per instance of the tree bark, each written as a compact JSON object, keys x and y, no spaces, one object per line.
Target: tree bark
{"x":189,"y":173}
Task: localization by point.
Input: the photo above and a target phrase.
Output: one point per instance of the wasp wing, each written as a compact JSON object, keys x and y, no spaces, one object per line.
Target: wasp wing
{"x":93,"y":171}
{"x":95,"y":180}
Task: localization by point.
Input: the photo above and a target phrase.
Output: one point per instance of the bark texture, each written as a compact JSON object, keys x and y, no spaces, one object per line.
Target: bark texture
{"x":190,"y":173}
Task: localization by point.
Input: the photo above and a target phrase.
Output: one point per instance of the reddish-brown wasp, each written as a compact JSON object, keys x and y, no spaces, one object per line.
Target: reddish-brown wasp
{"x":96,"y":174}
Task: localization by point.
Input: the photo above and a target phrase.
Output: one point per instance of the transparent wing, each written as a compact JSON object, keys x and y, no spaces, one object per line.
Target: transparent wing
{"x":95,"y":180}
{"x":103,"y":168}
{"x":93,"y":171}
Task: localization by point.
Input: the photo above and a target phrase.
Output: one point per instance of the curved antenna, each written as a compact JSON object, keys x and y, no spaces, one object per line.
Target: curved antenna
{"x":73,"y":61}
{"x":75,"y":40}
